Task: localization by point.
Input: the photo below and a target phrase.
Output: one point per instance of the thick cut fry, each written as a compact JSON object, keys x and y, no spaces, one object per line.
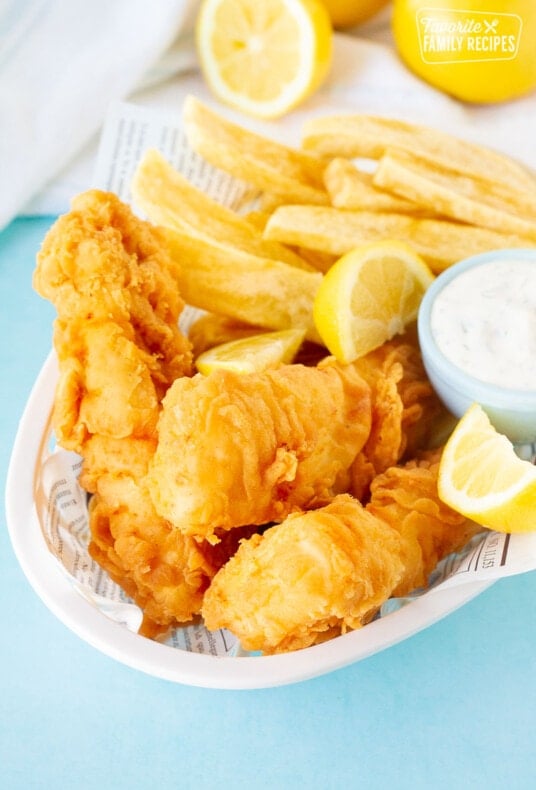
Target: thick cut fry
{"x":238,"y":449}
{"x":351,"y":188}
{"x":353,"y":136}
{"x":475,"y":201}
{"x":258,"y":218}
{"x":321,"y":261}
{"x":170,"y":200}
{"x":268,"y":165}
{"x":440,"y":242}
{"x":258,"y":291}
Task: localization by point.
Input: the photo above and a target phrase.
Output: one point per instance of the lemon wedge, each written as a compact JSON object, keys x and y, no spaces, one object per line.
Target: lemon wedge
{"x":481,"y":476}
{"x":264,"y":58}
{"x":368,"y":296}
{"x":252,"y":354}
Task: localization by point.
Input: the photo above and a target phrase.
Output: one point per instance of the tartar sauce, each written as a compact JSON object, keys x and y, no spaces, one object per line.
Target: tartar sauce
{"x":484,"y":321}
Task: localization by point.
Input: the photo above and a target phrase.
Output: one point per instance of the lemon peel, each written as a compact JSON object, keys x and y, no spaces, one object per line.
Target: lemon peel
{"x":481,"y":476}
{"x":252,"y":354}
{"x":368,"y":296}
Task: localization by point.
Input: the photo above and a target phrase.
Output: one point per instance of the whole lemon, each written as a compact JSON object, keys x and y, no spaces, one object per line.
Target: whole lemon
{"x":349,"y":13}
{"x":481,"y":51}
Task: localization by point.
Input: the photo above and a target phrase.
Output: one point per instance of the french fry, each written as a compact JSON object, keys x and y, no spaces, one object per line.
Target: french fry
{"x":321,"y":261}
{"x":475,"y":201}
{"x":268,"y":165}
{"x":369,"y":136}
{"x":170,"y":200}
{"x":257,"y":291}
{"x":332,"y":230}
{"x":269,"y":201}
{"x":258,"y":219}
{"x":351,"y":188}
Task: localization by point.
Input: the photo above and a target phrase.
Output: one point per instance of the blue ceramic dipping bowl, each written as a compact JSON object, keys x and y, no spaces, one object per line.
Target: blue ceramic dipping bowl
{"x":511,"y":411}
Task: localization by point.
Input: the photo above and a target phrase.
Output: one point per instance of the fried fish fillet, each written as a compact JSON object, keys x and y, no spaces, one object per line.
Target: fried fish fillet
{"x":119,"y":349}
{"x":405,"y":410}
{"x":314,"y":574}
{"x":116,"y":335}
{"x":406,"y":498}
{"x":249,"y":449}
{"x":165,"y":572}
{"x":160,"y":569}
{"x":321,"y":573}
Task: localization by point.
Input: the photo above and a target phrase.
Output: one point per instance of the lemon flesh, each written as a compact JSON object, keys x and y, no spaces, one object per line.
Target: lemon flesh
{"x":264,"y":58}
{"x":481,"y":476}
{"x":252,"y":354}
{"x":368,"y":296}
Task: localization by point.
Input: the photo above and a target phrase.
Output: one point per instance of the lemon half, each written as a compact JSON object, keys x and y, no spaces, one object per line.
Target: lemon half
{"x":264,"y":58}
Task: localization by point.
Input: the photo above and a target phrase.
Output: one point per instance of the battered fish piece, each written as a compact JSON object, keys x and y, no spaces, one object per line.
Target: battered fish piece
{"x":314,"y":575}
{"x":116,"y":335}
{"x":405,"y":410}
{"x":250,"y":449}
{"x":406,"y":498}
{"x":165,"y":572}
{"x":161,"y":570}
{"x":119,"y":349}
{"x":321,"y":573}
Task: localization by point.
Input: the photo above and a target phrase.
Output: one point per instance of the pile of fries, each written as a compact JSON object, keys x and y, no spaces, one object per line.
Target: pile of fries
{"x":356,"y":179}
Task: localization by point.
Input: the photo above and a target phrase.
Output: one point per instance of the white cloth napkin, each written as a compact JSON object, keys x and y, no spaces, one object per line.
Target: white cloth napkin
{"x":62,"y":62}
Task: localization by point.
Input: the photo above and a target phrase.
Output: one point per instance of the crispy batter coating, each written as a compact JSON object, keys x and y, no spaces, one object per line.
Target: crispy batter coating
{"x":331,"y":569}
{"x":315,"y":574}
{"x":249,"y":449}
{"x":119,"y":348}
{"x":407,"y":499}
{"x":162,"y":570}
{"x":404,"y":410}
{"x":116,"y":335}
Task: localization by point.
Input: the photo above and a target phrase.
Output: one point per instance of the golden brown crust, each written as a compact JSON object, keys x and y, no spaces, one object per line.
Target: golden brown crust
{"x":118,"y":304}
{"x":249,"y":449}
{"x":330,"y":570}
{"x":317,"y":573}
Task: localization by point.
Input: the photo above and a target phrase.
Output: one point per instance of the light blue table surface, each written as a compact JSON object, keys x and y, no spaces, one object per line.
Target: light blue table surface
{"x":452,"y":707}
